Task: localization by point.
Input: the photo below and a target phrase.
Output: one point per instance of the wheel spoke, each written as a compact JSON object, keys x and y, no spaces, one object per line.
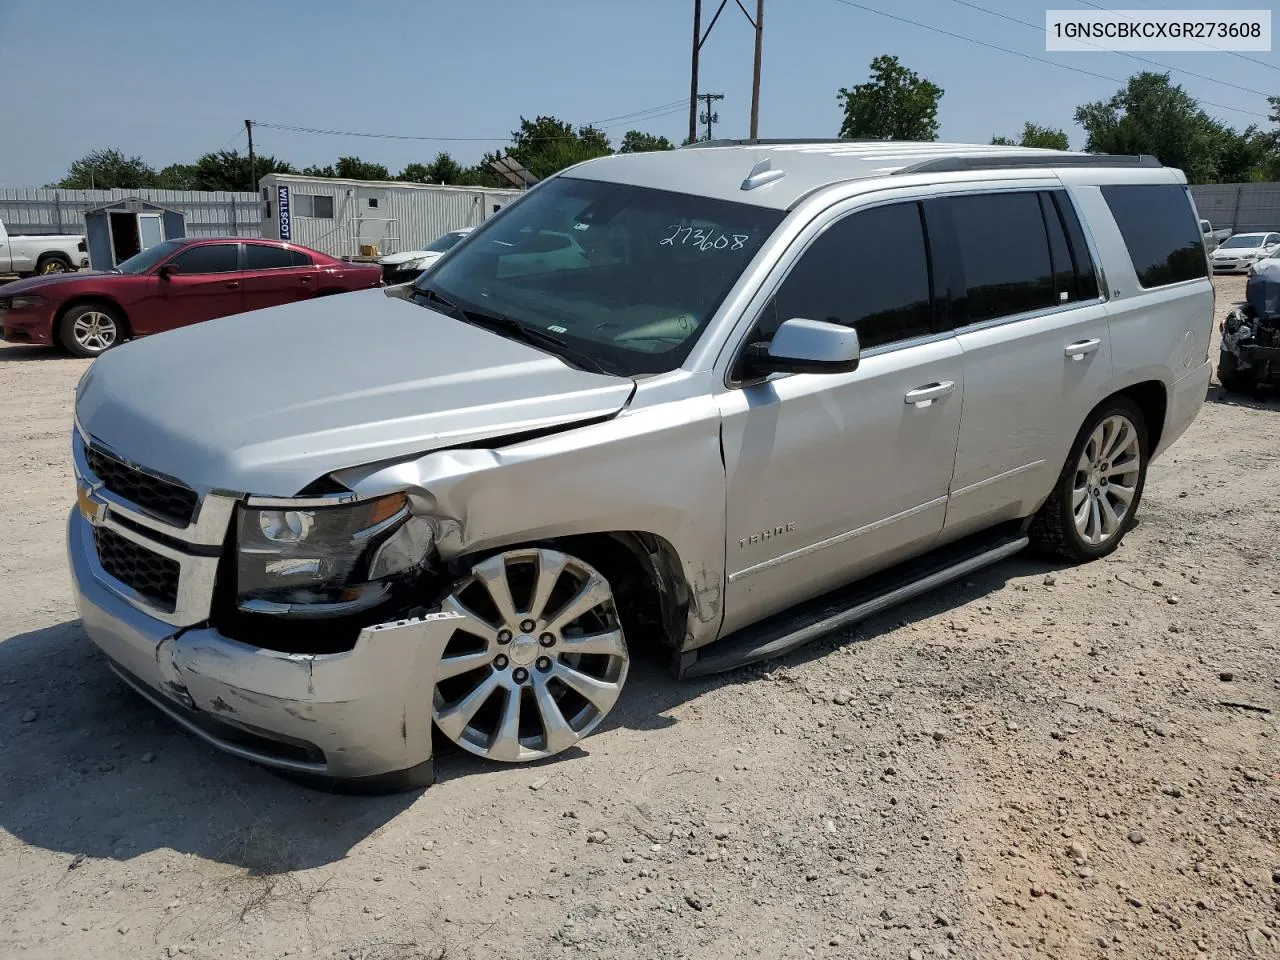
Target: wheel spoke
{"x":559,"y":734}
{"x":1122,"y":493}
{"x":1119,"y":439}
{"x":593,"y":593}
{"x":506,"y":741}
{"x":601,"y":693}
{"x":457,"y":665}
{"x":454,"y":720}
{"x":1123,"y":469}
{"x":1095,"y":521}
{"x":1078,"y":496}
{"x":493,"y":574}
{"x":550,"y":566}
{"x":609,"y":643}
{"x":474,"y":622}
{"x":1110,"y":522}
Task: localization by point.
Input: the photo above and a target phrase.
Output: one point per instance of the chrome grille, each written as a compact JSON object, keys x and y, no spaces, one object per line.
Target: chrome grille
{"x":165,"y":499}
{"x":151,"y":575}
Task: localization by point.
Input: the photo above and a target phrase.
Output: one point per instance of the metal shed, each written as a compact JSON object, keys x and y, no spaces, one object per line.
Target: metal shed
{"x":354,"y":218}
{"x":116,"y":231}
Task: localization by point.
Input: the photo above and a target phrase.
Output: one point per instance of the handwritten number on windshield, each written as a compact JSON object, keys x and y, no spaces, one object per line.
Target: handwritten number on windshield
{"x":703,"y":240}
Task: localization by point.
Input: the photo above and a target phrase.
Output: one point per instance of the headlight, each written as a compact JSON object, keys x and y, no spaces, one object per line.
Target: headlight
{"x":326,"y":560}
{"x":26,"y":302}
{"x":1244,"y":333}
{"x":1232,"y":323}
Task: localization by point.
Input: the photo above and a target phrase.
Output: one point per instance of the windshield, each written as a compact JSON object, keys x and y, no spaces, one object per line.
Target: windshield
{"x":1245,"y":240}
{"x":628,"y":276}
{"x":148,"y":258}
{"x":444,"y":243}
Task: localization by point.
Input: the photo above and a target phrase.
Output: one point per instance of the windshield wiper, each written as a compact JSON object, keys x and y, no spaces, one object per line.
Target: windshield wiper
{"x":499,"y":323}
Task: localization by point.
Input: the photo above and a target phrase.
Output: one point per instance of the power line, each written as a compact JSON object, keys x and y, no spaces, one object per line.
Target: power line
{"x":629,"y":116}
{"x":1234,"y":53}
{"x":1155,"y":63}
{"x":1019,"y":53}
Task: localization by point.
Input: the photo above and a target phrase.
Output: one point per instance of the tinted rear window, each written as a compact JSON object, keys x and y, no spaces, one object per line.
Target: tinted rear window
{"x":1004,"y":253}
{"x":259,"y":256}
{"x":1159,"y":227}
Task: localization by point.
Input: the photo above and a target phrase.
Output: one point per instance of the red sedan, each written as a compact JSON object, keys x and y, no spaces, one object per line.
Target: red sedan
{"x":172,"y":284}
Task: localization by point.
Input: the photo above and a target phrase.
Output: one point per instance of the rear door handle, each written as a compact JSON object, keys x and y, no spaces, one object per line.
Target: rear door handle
{"x":1081,"y":348}
{"x":924,"y":396}
{"x":233,"y":284}
{"x":306,"y":279}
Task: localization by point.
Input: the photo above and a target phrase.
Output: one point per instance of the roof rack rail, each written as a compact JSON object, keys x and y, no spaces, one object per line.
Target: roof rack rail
{"x":766,"y":143}
{"x":1007,"y":161}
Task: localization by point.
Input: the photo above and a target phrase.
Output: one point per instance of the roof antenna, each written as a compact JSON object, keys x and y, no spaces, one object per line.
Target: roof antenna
{"x":761,"y":174}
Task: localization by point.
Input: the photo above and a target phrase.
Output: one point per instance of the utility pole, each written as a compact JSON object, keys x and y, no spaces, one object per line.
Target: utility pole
{"x":699,"y":38}
{"x":693,"y":82}
{"x":755,"y":78}
{"x":709,"y":117}
{"x":253,"y":165}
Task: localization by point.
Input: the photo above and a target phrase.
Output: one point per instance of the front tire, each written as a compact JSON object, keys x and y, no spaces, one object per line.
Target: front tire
{"x":1229,"y":375}
{"x":1095,"y":500}
{"x":90,"y":329}
{"x":538,"y":660}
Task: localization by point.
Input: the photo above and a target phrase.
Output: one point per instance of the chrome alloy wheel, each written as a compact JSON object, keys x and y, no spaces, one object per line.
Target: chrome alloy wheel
{"x":95,"y":331}
{"x":1106,"y":480}
{"x":52,"y":266}
{"x":538,"y":661}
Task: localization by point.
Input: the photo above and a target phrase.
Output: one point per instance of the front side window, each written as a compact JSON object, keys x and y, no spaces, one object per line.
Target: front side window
{"x":628,"y":276}
{"x":261,"y":256}
{"x":209,"y":258}
{"x":148,"y":258}
{"x":1158,"y":223}
{"x":869,"y":271}
{"x":1004,"y":255}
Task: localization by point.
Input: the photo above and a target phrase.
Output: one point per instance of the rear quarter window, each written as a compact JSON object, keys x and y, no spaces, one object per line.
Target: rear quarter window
{"x":1159,"y":228}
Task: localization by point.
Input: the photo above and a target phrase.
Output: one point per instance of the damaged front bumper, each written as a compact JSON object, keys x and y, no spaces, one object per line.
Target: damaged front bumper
{"x":363,"y":714}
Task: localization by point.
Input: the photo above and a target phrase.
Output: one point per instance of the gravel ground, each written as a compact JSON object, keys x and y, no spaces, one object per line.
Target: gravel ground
{"x":1040,"y":760}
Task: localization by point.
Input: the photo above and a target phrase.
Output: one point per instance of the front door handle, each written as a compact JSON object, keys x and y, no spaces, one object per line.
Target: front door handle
{"x":1081,"y":348}
{"x":233,"y":284}
{"x":924,"y":396}
{"x":306,"y":279}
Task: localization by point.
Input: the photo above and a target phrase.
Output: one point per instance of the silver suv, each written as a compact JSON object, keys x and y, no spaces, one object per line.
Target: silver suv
{"x":777,"y":387}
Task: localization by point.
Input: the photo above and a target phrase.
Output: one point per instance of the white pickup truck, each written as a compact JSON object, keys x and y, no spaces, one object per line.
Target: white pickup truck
{"x":1213,"y":238}
{"x":41,"y":253}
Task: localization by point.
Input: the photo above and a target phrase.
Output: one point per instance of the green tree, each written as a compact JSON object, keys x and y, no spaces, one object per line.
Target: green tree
{"x":634,"y":141}
{"x":314,"y":171}
{"x":895,"y":104}
{"x":443,"y":169}
{"x":230,"y":170}
{"x":178,"y":176}
{"x":353,"y":168}
{"x":1047,"y":138}
{"x":546,"y":145}
{"x":1154,"y":116}
{"x":108,"y":169}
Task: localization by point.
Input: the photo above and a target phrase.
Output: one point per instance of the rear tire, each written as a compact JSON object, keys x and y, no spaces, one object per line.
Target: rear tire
{"x":52,"y":263}
{"x":90,"y":329}
{"x":1096,"y":497}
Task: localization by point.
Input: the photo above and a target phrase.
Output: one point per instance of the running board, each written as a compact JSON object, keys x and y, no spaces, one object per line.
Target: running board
{"x":784,"y":632}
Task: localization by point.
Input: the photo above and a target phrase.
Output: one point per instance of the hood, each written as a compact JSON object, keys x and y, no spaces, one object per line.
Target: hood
{"x":407,"y":256}
{"x":1262,"y":290}
{"x":1235,"y":253}
{"x":266,"y":402}
{"x":50,"y":280}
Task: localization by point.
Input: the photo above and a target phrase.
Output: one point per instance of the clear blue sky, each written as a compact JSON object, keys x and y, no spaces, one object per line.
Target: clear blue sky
{"x":171,"y":80}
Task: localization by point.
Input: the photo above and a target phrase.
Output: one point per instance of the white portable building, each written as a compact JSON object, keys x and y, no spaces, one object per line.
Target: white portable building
{"x":370,"y":218}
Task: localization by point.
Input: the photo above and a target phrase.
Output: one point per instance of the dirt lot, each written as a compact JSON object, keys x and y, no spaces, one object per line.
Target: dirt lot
{"x":1040,"y":760}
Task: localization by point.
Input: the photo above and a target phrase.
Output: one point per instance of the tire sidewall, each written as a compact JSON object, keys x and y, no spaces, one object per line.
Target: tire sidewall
{"x":1113,"y":407}
{"x":68,"y":340}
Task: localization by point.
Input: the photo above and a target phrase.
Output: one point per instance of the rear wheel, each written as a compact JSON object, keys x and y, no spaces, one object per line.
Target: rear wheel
{"x":90,"y":329}
{"x":1096,"y":498}
{"x":53,"y":263}
{"x":538,"y":660}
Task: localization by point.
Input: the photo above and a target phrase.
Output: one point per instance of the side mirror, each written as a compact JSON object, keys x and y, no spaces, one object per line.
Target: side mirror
{"x":806,"y":346}
{"x":167,"y":270}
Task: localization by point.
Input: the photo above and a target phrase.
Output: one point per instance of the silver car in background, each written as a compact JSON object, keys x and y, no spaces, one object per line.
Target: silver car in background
{"x":716,"y":401}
